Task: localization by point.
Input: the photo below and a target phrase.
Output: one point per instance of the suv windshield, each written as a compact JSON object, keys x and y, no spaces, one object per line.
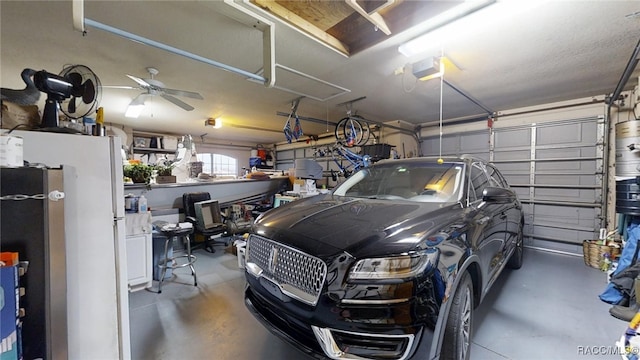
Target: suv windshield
{"x":422,"y":181}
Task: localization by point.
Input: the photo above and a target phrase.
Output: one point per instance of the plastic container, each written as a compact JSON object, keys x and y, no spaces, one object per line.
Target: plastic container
{"x":142,"y":204}
{"x":241,"y":257}
{"x":628,"y":196}
{"x":131,"y":203}
{"x":241,"y":247}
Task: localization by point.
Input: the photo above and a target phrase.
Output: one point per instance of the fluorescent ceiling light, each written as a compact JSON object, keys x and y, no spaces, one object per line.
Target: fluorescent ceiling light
{"x":417,"y":45}
{"x":133,"y":111}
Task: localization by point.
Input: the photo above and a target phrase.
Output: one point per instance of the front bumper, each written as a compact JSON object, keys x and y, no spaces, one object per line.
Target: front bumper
{"x":328,"y":337}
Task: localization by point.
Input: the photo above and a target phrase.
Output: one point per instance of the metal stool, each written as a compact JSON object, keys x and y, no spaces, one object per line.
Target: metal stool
{"x":171,"y":234}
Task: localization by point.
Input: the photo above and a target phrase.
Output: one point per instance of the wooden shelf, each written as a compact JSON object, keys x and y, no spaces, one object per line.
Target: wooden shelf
{"x":141,"y":150}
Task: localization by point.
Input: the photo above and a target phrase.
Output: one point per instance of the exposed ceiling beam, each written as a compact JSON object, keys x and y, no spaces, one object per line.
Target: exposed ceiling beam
{"x":282,"y":12}
{"x":375,"y":6}
{"x":375,"y":18}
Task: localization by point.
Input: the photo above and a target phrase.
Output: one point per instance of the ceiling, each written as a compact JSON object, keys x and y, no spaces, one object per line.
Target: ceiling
{"x":539,"y":52}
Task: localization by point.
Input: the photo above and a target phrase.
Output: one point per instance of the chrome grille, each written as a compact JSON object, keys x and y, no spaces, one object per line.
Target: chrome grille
{"x":298,"y":275}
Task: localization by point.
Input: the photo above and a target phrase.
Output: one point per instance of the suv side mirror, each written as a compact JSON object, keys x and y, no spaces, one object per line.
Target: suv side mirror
{"x":498,"y":195}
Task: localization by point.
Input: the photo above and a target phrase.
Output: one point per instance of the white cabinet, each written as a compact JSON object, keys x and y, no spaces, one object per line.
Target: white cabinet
{"x":139,"y":250}
{"x":139,"y":261}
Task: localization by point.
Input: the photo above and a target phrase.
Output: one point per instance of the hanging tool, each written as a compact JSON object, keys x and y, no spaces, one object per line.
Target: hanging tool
{"x":297,"y":129}
{"x":296,"y":133}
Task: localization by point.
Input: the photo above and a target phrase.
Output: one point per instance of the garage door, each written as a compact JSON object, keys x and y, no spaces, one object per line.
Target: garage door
{"x":555,"y":167}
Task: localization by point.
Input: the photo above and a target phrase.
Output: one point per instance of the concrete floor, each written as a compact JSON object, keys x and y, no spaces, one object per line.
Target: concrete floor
{"x":549,"y":309}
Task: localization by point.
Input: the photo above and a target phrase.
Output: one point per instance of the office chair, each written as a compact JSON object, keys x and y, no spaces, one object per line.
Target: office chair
{"x":206,"y":218}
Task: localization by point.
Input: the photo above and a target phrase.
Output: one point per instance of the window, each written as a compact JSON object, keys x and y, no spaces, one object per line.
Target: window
{"x":218,"y":164}
{"x":413,"y":181}
{"x":478,"y":181}
{"x":496,"y":178}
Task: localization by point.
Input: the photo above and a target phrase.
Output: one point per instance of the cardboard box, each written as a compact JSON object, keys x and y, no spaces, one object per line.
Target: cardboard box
{"x":298,"y":185}
{"x":14,"y":114}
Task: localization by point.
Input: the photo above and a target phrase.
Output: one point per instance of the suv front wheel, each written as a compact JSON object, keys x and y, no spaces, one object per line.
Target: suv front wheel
{"x":457,"y":336}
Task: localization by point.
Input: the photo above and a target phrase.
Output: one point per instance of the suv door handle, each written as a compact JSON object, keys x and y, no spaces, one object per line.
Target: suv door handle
{"x":483,"y":220}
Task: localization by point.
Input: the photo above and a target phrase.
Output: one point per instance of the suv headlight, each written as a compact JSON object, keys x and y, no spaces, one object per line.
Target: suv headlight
{"x":395,"y":267}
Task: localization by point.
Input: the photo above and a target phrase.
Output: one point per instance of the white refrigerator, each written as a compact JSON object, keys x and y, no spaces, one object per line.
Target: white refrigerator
{"x":97,"y":292}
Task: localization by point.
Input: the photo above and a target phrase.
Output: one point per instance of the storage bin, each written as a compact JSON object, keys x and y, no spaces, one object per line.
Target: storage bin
{"x":377,"y":151}
{"x":255,"y":161}
{"x":158,"y":256}
{"x":594,"y":253}
{"x":169,"y":142}
{"x":283,"y":199}
{"x":628,"y":196}
{"x":141,"y":142}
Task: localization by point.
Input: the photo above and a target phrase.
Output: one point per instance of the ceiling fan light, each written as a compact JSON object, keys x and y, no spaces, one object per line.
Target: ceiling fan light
{"x":134,"y":110}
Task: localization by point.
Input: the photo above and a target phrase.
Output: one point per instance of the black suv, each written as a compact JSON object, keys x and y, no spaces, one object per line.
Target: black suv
{"x":390,"y":264}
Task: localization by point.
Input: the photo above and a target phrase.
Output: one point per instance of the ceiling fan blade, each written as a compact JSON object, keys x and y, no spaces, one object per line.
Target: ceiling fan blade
{"x":189,"y":94}
{"x":120,"y":87}
{"x":139,"y":81}
{"x":178,"y":102}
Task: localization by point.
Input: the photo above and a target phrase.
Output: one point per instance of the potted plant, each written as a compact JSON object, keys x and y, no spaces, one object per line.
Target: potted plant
{"x":138,"y":173}
{"x":164,"y":174}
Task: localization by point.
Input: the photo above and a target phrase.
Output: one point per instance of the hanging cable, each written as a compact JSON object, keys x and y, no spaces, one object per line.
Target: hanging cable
{"x":440,"y":160}
{"x":327,"y":116}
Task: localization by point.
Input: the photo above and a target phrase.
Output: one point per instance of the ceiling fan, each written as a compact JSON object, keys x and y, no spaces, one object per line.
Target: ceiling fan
{"x":153,"y":87}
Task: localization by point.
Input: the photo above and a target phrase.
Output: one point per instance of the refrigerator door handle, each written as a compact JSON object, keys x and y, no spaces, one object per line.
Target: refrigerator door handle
{"x":117,"y":180}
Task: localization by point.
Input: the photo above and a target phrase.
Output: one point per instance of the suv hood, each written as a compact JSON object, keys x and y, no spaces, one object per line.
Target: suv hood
{"x":324,"y":225}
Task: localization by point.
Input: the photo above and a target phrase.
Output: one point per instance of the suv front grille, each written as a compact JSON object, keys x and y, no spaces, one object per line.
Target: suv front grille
{"x":297,"y":274}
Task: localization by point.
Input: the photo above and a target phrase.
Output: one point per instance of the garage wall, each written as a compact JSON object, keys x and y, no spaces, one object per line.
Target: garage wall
{"x":554,"y":158}
{"x":286,"y":154}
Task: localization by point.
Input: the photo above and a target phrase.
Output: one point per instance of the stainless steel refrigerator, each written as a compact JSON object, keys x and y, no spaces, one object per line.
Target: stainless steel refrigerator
{"x":97,"y":292}
{"x":32,"y":224}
